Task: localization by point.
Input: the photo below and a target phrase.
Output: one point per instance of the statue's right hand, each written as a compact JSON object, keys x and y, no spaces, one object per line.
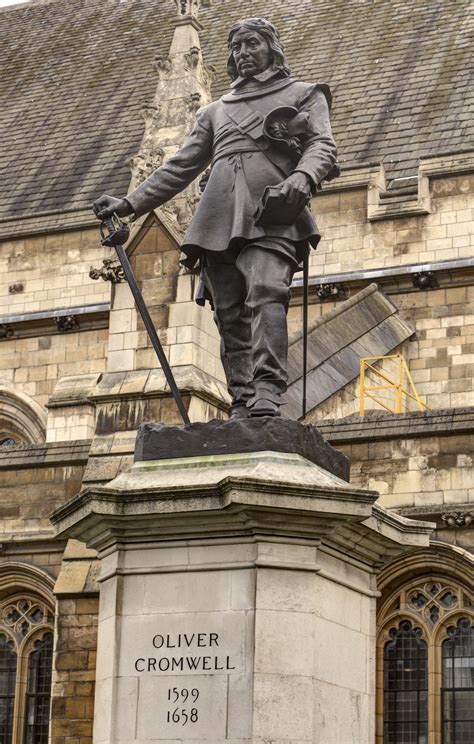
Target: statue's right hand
{"x":105,"y":206}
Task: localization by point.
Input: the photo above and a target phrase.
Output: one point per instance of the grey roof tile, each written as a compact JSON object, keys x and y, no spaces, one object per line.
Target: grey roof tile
{"x":74,"y":73}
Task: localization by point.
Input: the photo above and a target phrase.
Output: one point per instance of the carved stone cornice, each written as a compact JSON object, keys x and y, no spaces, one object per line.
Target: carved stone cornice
{"x":332,"y":291}
{"x":456,"y":519}
{"x":6,"y":331}
{"x":425,"y":280}
{"x":45,"y":323}
{"x":66,"y":323}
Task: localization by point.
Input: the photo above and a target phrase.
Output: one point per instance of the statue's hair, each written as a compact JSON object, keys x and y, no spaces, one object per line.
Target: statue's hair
{"x":270,"y":34}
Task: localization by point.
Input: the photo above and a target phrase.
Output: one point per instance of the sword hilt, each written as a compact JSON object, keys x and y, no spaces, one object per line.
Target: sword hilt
{"x":114,"y":231}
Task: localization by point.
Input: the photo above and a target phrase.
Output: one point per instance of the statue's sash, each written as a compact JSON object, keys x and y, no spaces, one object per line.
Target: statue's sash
{"x":250,"y":124}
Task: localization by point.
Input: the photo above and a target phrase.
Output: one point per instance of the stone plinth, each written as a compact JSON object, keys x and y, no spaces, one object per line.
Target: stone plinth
{"x":237,"y":600}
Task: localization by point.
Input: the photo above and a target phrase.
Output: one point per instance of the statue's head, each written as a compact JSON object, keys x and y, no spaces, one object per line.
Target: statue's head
{"x":254,"y":44}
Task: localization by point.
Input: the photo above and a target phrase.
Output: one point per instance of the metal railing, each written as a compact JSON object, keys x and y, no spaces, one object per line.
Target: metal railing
{"x":397,"y":385}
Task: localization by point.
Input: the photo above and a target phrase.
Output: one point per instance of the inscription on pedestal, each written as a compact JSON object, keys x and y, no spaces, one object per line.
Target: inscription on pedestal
{"x":183,"y":687}
{"x":176,"y":654}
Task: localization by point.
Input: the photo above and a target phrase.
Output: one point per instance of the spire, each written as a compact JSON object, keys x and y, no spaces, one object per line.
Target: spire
{"x":184,"y":85}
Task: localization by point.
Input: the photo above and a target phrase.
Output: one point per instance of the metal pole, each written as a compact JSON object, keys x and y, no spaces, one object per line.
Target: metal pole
{"x":151,"y":330}
{"x":305,"y":329}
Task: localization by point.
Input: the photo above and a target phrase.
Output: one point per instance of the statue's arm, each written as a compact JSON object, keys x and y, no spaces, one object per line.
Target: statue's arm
{"x":178,"y":172}
{"x":320,"y":152}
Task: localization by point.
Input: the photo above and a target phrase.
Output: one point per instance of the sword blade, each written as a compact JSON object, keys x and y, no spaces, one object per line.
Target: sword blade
{"x":151,"y":330}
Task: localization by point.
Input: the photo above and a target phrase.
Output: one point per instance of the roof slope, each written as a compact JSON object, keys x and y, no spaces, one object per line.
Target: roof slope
{"x":73,"y":75}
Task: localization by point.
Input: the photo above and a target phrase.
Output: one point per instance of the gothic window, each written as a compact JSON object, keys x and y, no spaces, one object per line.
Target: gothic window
{"x":39,"y":691}
{"x":458,"y":683}
{"x":405,"y":686}
{"x":8,"y":661}
{"x":425,"y":659}
{"x":26,"y":656}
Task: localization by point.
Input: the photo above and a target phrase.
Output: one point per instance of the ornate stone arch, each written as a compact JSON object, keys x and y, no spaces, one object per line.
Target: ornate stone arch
{"x":432,"y":589}
{"x":25,"y":577}
{"x":21,"y":418}
{"x":26,"y":625}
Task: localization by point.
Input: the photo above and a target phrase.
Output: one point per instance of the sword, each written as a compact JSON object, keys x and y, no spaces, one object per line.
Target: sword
{"x":115,"y":233}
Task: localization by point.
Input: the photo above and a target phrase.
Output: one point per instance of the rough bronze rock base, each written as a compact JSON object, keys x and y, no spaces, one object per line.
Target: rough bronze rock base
{"x":163,"y":442}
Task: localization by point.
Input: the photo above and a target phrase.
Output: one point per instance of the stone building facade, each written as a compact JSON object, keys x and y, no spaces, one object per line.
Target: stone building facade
{"x":94,"y":98}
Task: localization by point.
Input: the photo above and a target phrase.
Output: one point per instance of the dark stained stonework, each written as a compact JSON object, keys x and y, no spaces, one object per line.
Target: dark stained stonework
{"x":162,"y":442}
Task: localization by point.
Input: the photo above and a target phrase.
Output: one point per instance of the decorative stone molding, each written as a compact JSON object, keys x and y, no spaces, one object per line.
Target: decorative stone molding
{"x":193,"y":56}
{"x":111,"y":271}
{"x":373,"y":177}
{"x":334,"y":291}
{"x":66,"y":323}
{"x":183,"y":86}
{"x":454,"y":520}
{"x":162,"y":65}
{"x":28,"y":578}
{"x":21,"y":417}
{"x":425,"y":280}
{"x":6,"y":331}
{"x":193,"y":102}
{"x":187,"y":7}
{"x":395,"y":279}
{"x":43,"y":323}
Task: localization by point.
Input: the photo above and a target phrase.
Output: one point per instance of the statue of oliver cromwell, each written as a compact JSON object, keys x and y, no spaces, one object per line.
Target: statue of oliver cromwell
{"x":268,"y":131}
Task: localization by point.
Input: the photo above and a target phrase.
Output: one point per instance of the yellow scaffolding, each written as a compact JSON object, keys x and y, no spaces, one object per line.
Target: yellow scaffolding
{"x":396,"y":385}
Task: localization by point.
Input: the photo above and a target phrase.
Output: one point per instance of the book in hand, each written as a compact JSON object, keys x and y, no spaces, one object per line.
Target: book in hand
{"x":273,"y":210}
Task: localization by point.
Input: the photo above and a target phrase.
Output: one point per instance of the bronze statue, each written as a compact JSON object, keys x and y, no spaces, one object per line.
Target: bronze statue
{"x":269,"y":144}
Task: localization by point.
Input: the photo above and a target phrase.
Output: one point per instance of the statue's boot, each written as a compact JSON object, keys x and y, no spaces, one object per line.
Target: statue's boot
{"x":268,"y":278}
{"x":233,"y":320}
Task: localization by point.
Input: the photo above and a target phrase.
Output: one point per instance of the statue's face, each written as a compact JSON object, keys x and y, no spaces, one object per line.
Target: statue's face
{"x":251,"y":53}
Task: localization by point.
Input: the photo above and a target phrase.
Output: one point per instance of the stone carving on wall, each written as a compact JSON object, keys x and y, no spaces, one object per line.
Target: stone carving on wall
{"x":5,"y":330}
{"x":110,"y":271}
{"x":162,"y":65}
{"x":187,"y":7}
{"x":193,"y":102}
{"x":331,"y":292}
{"x":457,"y":519}
{"x":66,"y":323}
{"x":425,"y":280}
{"x":192,"y":57}
{"x":144,"y":163}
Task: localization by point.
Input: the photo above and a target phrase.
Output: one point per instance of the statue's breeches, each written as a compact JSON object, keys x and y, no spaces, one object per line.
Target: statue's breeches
{"x":251,"y":293}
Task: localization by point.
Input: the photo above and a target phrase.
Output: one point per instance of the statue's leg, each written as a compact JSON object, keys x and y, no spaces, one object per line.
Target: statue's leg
{"x":227,"y":288}
{"x":268,"y":276}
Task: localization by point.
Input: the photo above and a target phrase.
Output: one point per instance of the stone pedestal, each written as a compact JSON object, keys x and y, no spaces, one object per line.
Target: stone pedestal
{"x":237,"y":600}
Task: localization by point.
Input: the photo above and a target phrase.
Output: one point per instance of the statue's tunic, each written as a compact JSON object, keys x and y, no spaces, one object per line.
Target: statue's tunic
{"x":242,"y":165}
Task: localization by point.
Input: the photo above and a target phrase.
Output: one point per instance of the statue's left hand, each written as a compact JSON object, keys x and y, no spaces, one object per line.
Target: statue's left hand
{"x":296,"y":189}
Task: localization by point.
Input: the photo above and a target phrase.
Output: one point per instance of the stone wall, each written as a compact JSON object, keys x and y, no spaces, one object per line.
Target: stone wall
{"x":35,"y":480}
{"x":72,"y":705}
{"x":53,"y":270}
{"x":422,"y":466}
{"x":34,"y":365}
{"x":351,"y":242}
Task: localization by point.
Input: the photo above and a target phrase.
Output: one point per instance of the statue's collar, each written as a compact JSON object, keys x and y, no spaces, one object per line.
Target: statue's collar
{"x":261,"y":77}
{"x":258,"y":85}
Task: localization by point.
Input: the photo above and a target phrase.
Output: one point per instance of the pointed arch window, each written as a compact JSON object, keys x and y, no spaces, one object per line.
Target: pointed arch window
{"x":8,"y":667}
{"x":458,"y":683}
{"x":26,"y":656}
{"x":405,"y":686}
{"x":425,"y":664}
